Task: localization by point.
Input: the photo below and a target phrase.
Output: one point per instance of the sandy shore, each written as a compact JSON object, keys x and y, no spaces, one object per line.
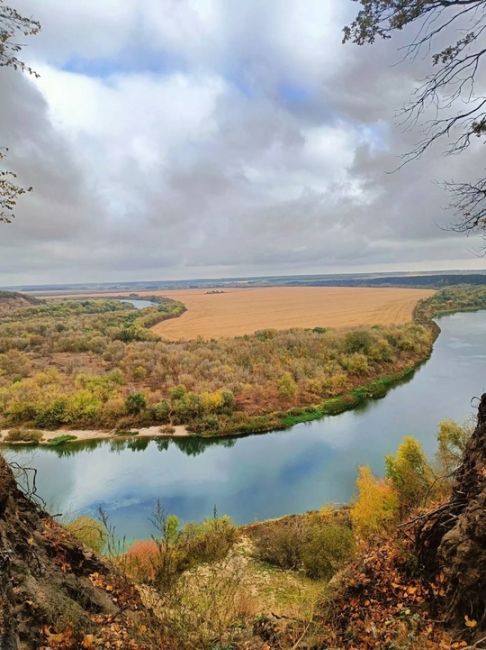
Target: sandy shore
{"x":98,"y":434}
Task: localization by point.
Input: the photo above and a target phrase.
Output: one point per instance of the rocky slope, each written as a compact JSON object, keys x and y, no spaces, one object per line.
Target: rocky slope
{"x":55,"y":593}
{"x":453,"y":539}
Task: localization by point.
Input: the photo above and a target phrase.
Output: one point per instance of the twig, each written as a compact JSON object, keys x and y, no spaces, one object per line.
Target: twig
{"x":475,"y":646}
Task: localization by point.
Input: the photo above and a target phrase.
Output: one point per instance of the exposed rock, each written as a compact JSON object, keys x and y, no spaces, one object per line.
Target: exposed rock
{"x":453,"y":540}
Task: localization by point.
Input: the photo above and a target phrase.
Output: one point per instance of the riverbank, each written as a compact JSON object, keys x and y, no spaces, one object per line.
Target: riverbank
{"x":267,"y":423}
{"x":246,"y":418}
{"x":63,"y":436}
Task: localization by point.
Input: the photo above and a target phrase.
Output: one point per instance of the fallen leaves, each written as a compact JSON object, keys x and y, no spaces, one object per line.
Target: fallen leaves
{"x":469,"y":622}
{"x":381,"y":604}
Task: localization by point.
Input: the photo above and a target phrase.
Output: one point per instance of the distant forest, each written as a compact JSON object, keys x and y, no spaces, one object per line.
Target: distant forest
{"x":425,"y":280}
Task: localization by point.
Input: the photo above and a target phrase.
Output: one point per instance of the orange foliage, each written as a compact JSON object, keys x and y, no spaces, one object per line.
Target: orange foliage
{"x":141,"y":560}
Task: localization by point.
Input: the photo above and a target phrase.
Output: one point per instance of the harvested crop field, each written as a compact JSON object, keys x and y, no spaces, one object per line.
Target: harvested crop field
{"x":243,"y":311}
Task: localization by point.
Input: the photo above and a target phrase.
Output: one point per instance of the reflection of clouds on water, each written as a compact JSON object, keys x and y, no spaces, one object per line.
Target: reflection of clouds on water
{"x":271,"y":474}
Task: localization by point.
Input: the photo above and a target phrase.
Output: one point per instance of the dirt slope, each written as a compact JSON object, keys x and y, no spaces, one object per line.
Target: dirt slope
{"x":454,"y":538}
{"x":54,"y":593}
{"x":11,"y":301}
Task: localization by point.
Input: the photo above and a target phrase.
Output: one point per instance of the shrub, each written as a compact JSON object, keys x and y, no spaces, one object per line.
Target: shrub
{"x":141,"y":560}
{"x":287,"y":387}
{"x":161,"y":412}
{"x":167,"y":429}
{"x":375,"y":509}
{"x":61,"y":440}
{"x":358,"y":341}
{"x":24,"y":435}
{"x":88,"y":531}
{"x":173,"y":550}
{"x":135,"y":403}
{"x":208,"y":541}
{"x":328,"y":549}
{"x":452,"y":439}
{"x":410,"y":474}
{"x":52,"y":415}
{"x":208,"y":423}
{"x":281,"y":544}
{"x":355,"y":363}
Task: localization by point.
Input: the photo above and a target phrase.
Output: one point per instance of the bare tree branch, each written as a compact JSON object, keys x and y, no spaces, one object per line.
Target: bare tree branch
{"x":449,"y":93}
{"x":12,"y":26}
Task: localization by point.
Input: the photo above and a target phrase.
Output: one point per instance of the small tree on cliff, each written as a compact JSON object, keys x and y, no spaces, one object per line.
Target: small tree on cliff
{"x":451,"y":90}
{"x":12,"y":26}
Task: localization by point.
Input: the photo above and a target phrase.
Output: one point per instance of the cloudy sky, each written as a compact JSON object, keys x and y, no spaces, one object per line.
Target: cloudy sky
{"x":172,"y":139}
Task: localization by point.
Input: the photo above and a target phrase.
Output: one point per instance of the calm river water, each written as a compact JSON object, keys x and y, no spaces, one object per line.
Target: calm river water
{"x":273,"y":474}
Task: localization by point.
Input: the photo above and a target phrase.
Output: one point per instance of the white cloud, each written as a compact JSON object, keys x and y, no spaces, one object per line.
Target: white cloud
{"x":174,"y":138}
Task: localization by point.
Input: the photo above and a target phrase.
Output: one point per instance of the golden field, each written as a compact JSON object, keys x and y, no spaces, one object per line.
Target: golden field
{"x":243,"y":311}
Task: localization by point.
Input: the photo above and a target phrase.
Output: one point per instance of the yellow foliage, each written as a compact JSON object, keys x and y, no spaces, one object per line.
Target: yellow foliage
{"x":88,"y":531}
{"x":212,"y":401}
{"x":410,"y":474}
{"x":376,"y":507}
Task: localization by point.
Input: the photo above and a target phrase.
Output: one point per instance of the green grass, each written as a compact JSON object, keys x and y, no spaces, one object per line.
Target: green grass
{"x":61,"y":440}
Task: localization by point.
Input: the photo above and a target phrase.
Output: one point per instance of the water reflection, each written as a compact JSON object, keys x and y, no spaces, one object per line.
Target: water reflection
{"x":270,"y":474}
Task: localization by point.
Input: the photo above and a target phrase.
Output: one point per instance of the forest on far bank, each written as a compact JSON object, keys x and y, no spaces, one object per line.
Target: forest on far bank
{"x":95,"y":363}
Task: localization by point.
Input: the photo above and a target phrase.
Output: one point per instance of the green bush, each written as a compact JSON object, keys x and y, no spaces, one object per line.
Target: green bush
{"x":174,"y":550}
{"x":207,"y":541}
{"x":24,"y":435}
{"x":410,"y":474}
{"x":281,"y":544}
{"x":88,"y":531}
{"x":61,"y":440}
{"x":312,"y":543}
{"x":208,"y":423}
{"x":358,"y":341}
{"x":327,"y":550}
{"x":135,"y":403}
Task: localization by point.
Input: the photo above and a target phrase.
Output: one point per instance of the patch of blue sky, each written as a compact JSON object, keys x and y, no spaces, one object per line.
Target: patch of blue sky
{"x":376,"y":135}
{"x":292,"y":93}
{"x":161,"y":64}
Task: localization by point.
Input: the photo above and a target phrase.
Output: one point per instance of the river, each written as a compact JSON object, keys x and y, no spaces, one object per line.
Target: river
{"x":267,"y":475}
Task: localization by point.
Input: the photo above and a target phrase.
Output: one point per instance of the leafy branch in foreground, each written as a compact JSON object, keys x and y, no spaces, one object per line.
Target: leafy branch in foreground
{"x":12,"y":26}
{"x":9,"y":193}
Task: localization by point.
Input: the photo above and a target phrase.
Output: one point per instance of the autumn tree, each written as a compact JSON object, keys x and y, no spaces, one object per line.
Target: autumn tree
{"x":453,"y":89}
{"x":89,"y":531}
{"x":375,"y":509}
{"x":452,"y":439}
{"x":12,"y":27}
{"x":410,"y":474}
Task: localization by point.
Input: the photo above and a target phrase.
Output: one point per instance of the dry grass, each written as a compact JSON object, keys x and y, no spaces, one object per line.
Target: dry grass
{"x":243,"y":311}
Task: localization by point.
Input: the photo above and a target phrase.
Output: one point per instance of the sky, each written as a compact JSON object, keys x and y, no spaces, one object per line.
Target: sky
{"x":173,"y":139}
